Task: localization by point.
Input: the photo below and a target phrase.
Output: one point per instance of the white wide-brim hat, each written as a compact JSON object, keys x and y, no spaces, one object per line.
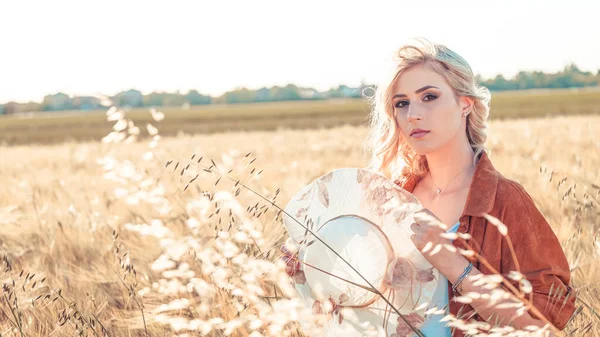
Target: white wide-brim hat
{"x":366,"y":219}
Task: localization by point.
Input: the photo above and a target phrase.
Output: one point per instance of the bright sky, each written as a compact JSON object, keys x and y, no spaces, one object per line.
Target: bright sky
{"x":85,"y":47}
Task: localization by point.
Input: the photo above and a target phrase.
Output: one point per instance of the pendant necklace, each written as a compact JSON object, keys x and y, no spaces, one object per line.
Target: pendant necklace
{"x":439,"y":190}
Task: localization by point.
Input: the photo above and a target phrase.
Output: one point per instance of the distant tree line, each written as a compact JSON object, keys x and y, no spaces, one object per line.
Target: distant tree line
{"x":570,"y":77}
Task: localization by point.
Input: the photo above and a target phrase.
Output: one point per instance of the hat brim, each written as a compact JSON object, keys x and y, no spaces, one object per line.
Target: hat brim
{"x":355,"y":191}
{"x":377,"y":320}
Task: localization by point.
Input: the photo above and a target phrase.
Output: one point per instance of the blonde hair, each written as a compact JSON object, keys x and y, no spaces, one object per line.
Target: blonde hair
{"x":384,"y":142}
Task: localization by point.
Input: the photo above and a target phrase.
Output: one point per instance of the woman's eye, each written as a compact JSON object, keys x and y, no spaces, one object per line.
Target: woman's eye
{"x":401,"y":104}
{"x":432,"y":97}
{"x":427,"y":97}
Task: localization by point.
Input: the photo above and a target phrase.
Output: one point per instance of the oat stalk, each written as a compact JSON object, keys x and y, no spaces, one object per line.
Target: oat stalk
{"x":272,"y":203}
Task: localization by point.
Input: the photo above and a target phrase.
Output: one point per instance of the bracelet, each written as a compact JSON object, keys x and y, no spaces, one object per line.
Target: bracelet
{"x":462,"y":276}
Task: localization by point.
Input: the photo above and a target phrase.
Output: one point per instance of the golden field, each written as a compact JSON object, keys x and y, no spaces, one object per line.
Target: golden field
{"x":133,"y":254}
{"x":56,"y":127}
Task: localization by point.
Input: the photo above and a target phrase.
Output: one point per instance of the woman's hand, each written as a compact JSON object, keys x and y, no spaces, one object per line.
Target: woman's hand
{"x":428,"y":232}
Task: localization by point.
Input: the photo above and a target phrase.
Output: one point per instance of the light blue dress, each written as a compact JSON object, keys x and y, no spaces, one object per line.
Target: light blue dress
{"x":432,"y":327}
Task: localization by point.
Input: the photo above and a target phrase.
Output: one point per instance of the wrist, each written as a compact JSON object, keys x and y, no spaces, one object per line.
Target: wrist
{"x":457,"y":286}
{"x":450,"y":264}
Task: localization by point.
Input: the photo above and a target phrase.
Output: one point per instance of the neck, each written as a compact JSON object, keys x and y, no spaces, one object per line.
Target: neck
{"x":450,"y":165}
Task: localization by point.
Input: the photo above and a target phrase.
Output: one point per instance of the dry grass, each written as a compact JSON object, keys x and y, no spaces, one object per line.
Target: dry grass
{"x":112,"y":245}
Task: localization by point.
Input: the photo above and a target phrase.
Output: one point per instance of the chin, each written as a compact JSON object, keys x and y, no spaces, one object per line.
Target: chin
{"x":423,"y":149}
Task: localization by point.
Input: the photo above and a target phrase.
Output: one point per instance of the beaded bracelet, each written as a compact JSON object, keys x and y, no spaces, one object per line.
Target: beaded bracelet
{"x":462,"y":276}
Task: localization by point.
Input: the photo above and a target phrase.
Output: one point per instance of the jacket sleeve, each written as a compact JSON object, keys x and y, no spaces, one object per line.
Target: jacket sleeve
{"x":540,"y":256}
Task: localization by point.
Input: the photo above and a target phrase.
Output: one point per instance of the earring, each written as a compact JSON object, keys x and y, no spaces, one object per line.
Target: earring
{"x":466,"y":113}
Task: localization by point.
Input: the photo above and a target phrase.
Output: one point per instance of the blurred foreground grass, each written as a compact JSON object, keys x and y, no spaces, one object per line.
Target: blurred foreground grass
{"x":61,"y":204}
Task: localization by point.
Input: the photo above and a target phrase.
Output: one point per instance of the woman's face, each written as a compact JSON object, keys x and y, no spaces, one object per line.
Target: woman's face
{"x":422,"y":100}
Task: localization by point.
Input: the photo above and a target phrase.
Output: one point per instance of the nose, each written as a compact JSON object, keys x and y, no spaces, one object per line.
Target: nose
{"x":414,"y":113}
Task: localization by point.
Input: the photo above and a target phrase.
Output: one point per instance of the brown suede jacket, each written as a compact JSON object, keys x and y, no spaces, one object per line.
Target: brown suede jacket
{"x":540,"y":255}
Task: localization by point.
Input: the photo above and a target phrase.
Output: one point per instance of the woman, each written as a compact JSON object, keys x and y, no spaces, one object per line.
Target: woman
{"x":428,"y":131}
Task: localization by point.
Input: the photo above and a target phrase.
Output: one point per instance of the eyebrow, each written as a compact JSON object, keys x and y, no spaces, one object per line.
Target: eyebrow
{"x":417,"y":91}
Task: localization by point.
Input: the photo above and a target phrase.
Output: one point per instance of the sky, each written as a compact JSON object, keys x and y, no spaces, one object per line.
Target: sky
{"x":88,"y":47}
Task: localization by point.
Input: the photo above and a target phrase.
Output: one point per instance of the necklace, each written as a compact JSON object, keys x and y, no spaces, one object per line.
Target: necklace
{"x":439,"y":190}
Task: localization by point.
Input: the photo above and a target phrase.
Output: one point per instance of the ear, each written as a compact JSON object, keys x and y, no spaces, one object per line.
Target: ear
{"x":466,"y":104}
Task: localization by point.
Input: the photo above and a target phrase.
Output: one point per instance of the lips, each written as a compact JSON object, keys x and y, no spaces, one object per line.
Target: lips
{"x":418,"y":133}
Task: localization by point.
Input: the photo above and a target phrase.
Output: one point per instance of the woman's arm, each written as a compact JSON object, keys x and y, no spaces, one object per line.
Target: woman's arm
{"x":540,"y":258}
{"x":452,"y":265}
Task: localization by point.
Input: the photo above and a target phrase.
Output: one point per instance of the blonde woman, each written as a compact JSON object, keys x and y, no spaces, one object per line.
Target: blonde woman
{"x":428,"y":132}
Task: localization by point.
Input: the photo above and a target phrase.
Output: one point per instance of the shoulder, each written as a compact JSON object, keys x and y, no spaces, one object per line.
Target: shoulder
{"x":499,"y":191}
{"x":511,"y":193}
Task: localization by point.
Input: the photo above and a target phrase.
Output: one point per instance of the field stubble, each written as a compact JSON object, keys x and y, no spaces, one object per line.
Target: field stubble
{"x":114,"y":230}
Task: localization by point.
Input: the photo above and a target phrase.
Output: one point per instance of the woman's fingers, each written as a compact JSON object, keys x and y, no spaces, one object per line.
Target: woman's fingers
{"x":413,"y":237}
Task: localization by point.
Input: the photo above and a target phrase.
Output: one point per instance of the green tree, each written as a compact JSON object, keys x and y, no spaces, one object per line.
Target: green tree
{"x":195,"y":98}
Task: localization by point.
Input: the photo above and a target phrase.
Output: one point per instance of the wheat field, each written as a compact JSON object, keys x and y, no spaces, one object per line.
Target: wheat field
{"x":60,"y":126}
{"x":106,"y":239}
